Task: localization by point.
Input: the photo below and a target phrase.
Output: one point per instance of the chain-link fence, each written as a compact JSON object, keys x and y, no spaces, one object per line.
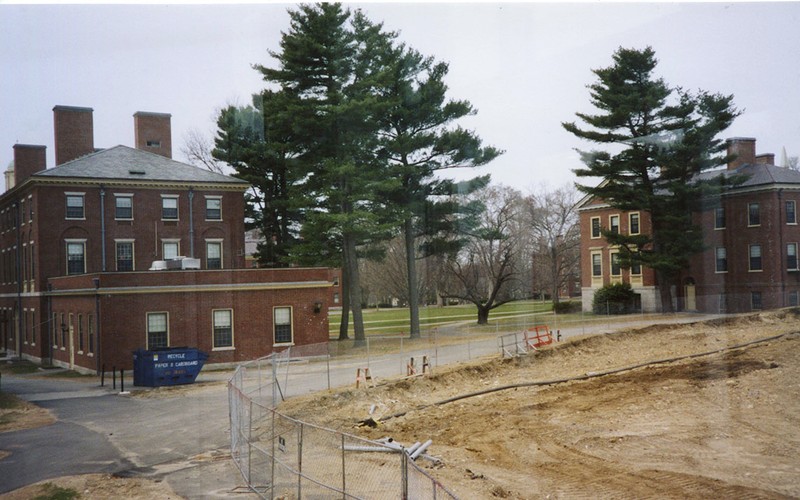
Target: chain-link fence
{"x":282,"y":457}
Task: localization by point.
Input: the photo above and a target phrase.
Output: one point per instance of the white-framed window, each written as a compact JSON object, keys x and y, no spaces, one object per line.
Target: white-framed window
{"x":613,"y":224}
{"x":791,"y":212}
{"x":223,"y":328}
{"x":753,"y":214}
{"x":791,"y":256}
{"x":634,"y":223}
{"x":80,"y":333}
{"x":157,"y":330}
{"x":596,"y":231}
{"x":169,"y":207}
{"x":597,"y":264}
{"x":755,"y":258}
{"x":123,"y":206}
{"x":721,"y":260}
{"x":213,"y":254}
{"x":719,"y":218}
{"x":76,"y":256}
{"x":75,"y":206}
{"x":170,"y":249}
{"x":124,"y":253}
{"x":282,"y":325}
{"x":213,"y":207}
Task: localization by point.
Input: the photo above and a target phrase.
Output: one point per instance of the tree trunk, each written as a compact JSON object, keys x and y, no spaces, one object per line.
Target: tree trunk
{"x":354,"y":283}
{"x":413,"y":289}
{"x":345,"y":322}
{"x":483,"y":315}
{"x":665,"y":291}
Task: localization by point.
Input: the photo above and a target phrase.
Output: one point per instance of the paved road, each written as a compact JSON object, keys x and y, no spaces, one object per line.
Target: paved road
{"x":99,"y":430}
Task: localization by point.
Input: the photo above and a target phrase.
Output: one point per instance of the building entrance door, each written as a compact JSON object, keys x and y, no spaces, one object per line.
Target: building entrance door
{"x":691,"y":300}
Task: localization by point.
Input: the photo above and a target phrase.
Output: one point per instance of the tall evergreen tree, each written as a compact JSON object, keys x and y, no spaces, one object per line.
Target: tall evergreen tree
{"x":257,"y":142}
{"x":418,"y":138}
{"x":664,"y":137}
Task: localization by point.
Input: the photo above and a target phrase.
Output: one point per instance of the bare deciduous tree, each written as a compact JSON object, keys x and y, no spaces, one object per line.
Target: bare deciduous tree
{"x":197,"y":150}
{"x":555,"y":238}
{"x":483,"y":272}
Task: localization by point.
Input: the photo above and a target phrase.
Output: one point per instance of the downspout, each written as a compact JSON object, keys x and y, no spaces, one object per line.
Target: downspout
{"x":51,"y":330}
{"x":18,"y":266}
{"x":103,"y":226}
{"x":191,"y":223}
{"x":96,"y":282}
{"x":780,"y":248}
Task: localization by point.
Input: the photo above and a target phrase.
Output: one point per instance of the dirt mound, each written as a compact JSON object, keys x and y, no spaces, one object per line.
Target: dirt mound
{"x":720,"y":420}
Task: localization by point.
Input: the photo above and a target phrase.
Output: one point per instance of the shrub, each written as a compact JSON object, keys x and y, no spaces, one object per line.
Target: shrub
{"x":566,"y":307}
{"x":617,"y":298}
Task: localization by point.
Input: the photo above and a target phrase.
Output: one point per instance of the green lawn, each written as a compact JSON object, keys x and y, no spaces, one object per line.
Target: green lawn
{"x":395,"y":320}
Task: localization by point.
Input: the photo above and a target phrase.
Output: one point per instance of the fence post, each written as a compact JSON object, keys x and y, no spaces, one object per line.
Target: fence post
{"x":300,"y":461}
{"x":272,"y":456}
{"x":250,"y":445}
{"x":344,"y":472}
{"x":403,"y":474}
{"x":328,"y":363}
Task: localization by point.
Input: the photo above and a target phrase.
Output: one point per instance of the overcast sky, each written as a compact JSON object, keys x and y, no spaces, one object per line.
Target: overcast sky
{"x":524,"y":66}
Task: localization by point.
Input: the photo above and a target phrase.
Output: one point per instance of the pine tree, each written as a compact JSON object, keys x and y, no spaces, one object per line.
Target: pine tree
{"x":664,"y":137}
{"x":418,"y":139}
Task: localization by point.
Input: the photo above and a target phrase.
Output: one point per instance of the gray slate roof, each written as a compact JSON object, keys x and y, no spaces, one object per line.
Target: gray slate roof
{"x":126,"y":163}
{"x":757,"y":175}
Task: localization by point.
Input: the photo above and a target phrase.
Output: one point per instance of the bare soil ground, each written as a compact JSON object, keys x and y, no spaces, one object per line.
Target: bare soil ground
{"x":707,"y":410}
{"x":724,"y":423}
{"x":95,"y":486}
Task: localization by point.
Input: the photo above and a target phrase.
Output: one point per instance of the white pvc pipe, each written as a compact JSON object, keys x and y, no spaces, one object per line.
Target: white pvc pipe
{"x":419,"y":451}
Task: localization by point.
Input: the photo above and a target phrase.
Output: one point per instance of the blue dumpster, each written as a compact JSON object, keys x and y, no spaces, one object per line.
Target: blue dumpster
{"x":167,"y":366}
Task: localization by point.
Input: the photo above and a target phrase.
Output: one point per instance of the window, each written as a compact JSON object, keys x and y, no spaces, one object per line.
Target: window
{"x":595,"y":227}
{"x":169,"y":208}
{"x":722,"y":260}
{"x":794,"y":299}
{"x":80,"y":332}
{"x":613,"y":223}
{"x":753,"y":214}
{"x":636,"y":268}
{"x":755,"y":301}
{"x":170,"y":249}
{"x":54,"y":331}
{"x":616,"y":270}
{"x":213,"y":208}
{"x":213,"y":255}
{"x":64,"y":327}
{"x":153,"y":144}
{"x":791,"y":212}
{"x":157,"y":334}
{"x":124,"y":256}
{"x":597,"y":265}
{"x":124,"y":207}
{"x":791,"y":256}
{"x":719,"y":218}
{"x":75,"y":206}
{"x":90,"y":332}
{"x":76,"y":260}
{"x":755,"y":257}
{"x":633,"y":223}
{"x":223,"y":328}
{"x":722,"y":302}
{"x":283,"y":325}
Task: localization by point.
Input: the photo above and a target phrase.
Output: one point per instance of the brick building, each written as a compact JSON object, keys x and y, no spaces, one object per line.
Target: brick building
{"x":124,"y":248}
{"x":751,"y":241}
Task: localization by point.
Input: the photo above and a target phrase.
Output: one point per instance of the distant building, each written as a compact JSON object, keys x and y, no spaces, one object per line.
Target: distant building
{"x":124,"y":248}
{"x":751,"y":238}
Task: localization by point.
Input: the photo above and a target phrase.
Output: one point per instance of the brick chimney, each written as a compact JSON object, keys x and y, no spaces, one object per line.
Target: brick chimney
{"x":766,"y":159}
{"x":153,"y":132}
{"x":28,"y":159}
{"x":74,"y":132}
{"x":745,"y":150}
